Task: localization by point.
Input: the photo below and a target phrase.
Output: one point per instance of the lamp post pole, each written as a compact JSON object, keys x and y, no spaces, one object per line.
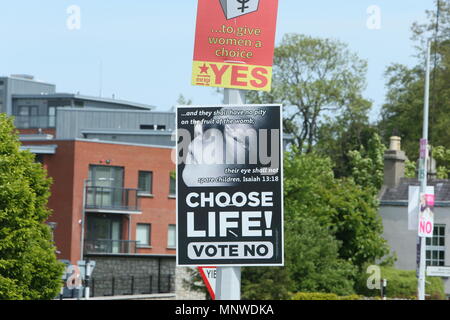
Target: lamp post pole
{"x":423,"y":174}
{"x":228,"y":285}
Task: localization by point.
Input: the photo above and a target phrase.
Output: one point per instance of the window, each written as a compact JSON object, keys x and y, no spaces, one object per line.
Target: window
{"x":173,"y":185}
{"x":105,"y":187}
{"x":171,"y":236}
{"x":27,"y":117}
{"x":106,"y":176}
{"x":28,"y":110}
{"x":147,"y":127}
{"x":143,"y":232}
{"x":104,"y":234}
{"x":145,"y":182}
{"x":435,"y":254}
{"x":51,"y":116}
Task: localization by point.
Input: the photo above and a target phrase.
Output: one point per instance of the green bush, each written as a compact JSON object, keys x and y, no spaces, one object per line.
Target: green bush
{"x":322,"y":296}
{"x":402,"y":284}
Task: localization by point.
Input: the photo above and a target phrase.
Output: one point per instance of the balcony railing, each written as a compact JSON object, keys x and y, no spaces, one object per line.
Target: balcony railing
{"x":34,"y":122}
{"x":116,"y":199}
{"x":110,"y":246}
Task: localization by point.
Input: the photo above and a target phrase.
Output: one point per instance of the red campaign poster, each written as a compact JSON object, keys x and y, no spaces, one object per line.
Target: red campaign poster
{"x":234,"y":43}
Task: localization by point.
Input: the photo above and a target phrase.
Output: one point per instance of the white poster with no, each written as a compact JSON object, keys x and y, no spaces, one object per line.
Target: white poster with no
{"x":413,"y":205}
{"x":426,"y":215}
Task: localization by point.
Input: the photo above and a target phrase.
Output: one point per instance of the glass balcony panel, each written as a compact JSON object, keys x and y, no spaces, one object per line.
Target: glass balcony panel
{"x":111,"y":198}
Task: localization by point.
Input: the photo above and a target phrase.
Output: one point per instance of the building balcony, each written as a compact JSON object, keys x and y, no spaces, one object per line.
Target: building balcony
{"x":112,"y":200}
{"x":108,"y":246}
{"x":34,"y":122}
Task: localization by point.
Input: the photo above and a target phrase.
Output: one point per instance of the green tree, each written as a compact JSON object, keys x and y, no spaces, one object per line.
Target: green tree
{"x":410,"y":169}
{"x":368,"y":164}
{"x":332,"y":229}
{"x":268,"y":283}
{"x":342,"y":206}
{"x":312,"y":264}
{"x":313,"y":78}
{"x":442,"y":157}
{"x":28,"y":265}
{"x":403,"y":111}
{"x":313,"y":261}
{"x":346,"y":132}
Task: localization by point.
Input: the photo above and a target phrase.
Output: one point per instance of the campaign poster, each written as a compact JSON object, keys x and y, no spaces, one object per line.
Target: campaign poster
{"x":229,"y":185}
{"x":234,"y":44}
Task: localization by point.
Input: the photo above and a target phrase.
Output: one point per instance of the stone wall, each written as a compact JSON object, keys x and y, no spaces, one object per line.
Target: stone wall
{"x":127,"y":275}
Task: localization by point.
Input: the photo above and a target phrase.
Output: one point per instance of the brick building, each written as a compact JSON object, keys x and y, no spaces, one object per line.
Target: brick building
{"x":112,"y":203}
{"x":113,"y":193}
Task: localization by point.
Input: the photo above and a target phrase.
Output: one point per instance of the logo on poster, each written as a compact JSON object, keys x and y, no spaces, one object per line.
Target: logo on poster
{"x":236,"y":8}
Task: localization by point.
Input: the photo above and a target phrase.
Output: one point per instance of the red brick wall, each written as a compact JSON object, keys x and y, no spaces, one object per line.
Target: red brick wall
{"x":69,"y":167}
{"x":159,"y":211}
{"x":36,"y":131}
{"x":61,"y":168}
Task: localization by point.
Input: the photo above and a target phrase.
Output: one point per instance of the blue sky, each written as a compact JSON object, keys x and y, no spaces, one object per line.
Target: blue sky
{"x":145,"y":47}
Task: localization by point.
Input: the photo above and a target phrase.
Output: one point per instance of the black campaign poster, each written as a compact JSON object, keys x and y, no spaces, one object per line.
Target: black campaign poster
{"x":229,"y":185}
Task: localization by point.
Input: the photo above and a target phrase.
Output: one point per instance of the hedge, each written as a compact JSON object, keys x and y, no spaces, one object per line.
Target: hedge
{"x":402,"y":284}
{"x":322,"y":296}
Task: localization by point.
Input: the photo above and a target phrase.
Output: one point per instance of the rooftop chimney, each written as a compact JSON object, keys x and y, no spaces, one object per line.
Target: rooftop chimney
{"x":394,"y":163}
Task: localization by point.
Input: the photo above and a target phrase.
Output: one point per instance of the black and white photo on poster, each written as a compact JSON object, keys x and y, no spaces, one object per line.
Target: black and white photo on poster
{"x":229,"y":185}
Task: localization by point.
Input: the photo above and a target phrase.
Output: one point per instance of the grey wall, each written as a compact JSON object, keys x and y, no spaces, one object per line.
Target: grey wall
{"x":23,"y":86}
{"x":3,"y":87}
{"x":122,"y":268}
{"x":155,"y":140}
{"x":107,"y":105}
{"x":403,"y":241}
{"x":70,"y":122}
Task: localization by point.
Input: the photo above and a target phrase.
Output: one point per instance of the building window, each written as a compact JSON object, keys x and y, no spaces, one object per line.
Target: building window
{"x":28,"y":111}
{"x":143,"y":234}
{"x":145,"y":183}
{"x":51,"y":117}
{"x":105,"y":187}
{"x":171,"y":236}
{"x":106,"y":176}
{"x":147,"y":127}
{"x":172,"y":185}
{"x":435,"y":254}
{"x":27,"y":117}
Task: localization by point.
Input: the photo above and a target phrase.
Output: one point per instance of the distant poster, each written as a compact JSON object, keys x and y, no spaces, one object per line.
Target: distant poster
{"x":229,"y":185}
{"x":234,"y":44}
{"x":426,"y":215}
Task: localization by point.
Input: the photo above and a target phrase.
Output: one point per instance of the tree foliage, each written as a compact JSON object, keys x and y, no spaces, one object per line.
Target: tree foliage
{"x":403,"y":110}
{"x":332,"y":228}
{"x":344,"y":133}
{"x":28,"y":265}
{"x":313,"y":78}
{"x":368,"y":164}
{"x":442,"y":157}
{"x":312,"y":264}
{"x":341,"y":205}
